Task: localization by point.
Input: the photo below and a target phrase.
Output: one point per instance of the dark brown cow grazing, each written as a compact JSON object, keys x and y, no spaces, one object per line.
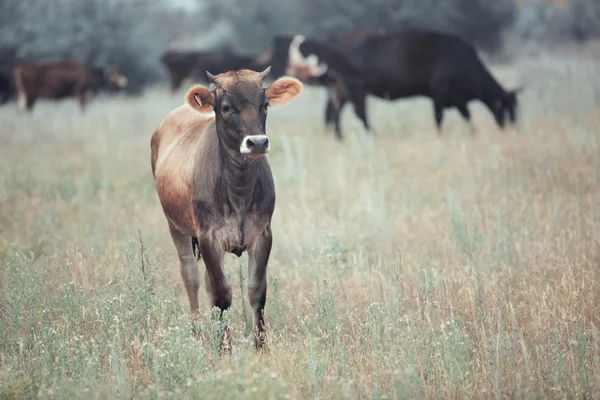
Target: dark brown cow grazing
{"x":62,"y":79}
{"x":215,"y":185}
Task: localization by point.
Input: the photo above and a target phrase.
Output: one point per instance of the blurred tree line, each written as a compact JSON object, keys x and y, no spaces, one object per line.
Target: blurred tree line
{"x":133,"y":33}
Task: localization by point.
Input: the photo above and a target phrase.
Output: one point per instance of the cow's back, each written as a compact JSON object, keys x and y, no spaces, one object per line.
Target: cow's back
{"x":50,"y":79}
{"x":175,"y":145}
{"x":411,"y":61}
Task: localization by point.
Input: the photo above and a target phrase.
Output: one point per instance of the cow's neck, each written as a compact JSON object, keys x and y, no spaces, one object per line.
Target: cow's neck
{"x":239,"y":175}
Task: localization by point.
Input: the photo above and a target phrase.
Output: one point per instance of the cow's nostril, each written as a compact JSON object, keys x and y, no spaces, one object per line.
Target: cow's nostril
{"x":266,"y":144}
{"x":249,"y":143}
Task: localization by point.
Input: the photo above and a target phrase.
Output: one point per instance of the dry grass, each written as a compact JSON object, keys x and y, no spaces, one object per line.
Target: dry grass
{"x":406,"y":267}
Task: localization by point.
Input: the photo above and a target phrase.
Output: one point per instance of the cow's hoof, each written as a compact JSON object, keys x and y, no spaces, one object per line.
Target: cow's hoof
{"x":260,"y":343}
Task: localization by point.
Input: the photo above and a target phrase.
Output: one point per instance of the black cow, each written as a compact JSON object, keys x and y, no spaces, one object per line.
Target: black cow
{"x":183,"y":65}
{"x":395,"y":65}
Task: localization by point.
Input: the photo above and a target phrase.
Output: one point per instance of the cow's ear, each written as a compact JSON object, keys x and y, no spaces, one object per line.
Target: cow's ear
{"x":283,"y":90}
{"x":200,"y":98}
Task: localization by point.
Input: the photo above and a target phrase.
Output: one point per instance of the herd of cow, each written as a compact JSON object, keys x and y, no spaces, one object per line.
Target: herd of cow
{"x":214,"y":184}
{"x":350,"y":65}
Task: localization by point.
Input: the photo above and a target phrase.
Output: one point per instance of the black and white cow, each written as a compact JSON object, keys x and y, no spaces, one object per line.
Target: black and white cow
{"x":394,"y":65}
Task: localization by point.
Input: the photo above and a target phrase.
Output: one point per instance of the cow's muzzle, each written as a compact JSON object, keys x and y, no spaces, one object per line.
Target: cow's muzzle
{"x":255,"y":145}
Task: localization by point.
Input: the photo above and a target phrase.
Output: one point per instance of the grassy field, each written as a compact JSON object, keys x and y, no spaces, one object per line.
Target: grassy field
{"x":409,"y":266}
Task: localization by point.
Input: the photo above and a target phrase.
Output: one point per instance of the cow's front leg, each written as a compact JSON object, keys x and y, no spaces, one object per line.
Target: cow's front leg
{"x":258,"y":257}
{"x":82,"y":97}
{"x":217,"y":286}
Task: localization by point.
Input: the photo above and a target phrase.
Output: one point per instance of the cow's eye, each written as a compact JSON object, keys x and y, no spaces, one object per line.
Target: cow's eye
{"x":225,"y":108}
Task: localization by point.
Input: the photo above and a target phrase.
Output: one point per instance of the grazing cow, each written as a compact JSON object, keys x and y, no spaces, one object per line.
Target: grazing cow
{"x":190,"y":65}
{"x":215,"y":185}
{"x":396,"y":65}
{"x":62,"y":79}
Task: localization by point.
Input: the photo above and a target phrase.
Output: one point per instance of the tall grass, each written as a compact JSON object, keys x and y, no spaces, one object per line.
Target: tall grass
{"x":409,"y":266}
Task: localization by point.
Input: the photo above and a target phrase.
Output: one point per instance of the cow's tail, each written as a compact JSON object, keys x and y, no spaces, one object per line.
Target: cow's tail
{"x":196,"y":248}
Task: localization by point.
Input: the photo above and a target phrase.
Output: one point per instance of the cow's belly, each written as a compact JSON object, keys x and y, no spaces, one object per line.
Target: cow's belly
{"x":172,"y":175}
{"x":398,"y":90}
{"x":60,"y":90}
{"x":175,"y":200}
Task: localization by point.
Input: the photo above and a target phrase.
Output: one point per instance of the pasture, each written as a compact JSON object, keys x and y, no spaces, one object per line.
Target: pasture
{"x":409,"y":266}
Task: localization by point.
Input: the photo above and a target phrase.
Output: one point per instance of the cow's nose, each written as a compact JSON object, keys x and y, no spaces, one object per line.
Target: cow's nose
{"x":257,"y":143}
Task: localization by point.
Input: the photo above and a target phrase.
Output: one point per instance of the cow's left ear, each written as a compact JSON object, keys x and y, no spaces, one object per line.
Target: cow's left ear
{"x":200,"y":98}
{"x":283,"y":90}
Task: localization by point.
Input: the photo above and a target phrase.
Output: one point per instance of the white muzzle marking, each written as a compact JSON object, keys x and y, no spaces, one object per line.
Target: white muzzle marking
{"x":254,"y":145}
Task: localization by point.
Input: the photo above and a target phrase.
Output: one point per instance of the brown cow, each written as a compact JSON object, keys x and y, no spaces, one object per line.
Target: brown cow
{"x":215,"y":185}
{"x":62,"y":79}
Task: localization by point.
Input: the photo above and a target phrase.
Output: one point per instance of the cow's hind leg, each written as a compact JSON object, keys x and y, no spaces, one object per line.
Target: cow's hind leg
{"x":438,"y":110}
{"x":329,"y":113}
{"x":336,"y":99}
{"x":30,"y":102}
{"x":337,"y":111}
{"x":332,"y":108}
{"x":360,"y":110}
{"x":216,"y":283}
{"x":22,"y":101}
{"x":82,"y":96}
{"x":188,"y":267}
{"x":258,"y":258}
{"x":26,"y":102}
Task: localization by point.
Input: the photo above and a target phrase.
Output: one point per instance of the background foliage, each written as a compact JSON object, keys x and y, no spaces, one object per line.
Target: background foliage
{"x":133,"y":33}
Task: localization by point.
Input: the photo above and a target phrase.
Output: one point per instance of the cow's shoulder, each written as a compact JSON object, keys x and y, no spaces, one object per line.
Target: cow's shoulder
{"x":186,"y":122}
{"x":176,"y":142}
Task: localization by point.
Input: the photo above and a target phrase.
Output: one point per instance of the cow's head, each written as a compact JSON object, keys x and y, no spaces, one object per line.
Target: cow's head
{"x":505,"y":106}
{"x":306,"y":68}
{"x":115,"y":78}
{"x":240,"y":104}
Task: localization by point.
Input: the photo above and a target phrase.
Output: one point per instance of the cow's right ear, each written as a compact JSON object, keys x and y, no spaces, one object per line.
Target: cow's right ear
{"x":200,"y":98}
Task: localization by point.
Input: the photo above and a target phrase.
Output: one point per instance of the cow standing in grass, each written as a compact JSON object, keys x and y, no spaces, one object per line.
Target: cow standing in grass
{"x":395,"y":65}
{"x":63,"y":79}
{"x":215,"y":185}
